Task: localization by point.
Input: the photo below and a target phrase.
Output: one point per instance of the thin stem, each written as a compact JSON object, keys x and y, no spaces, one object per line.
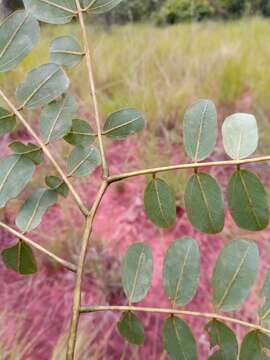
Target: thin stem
{"x":123,"y":176}
{"x":77,"y":292}
{"x":20,"y":236}
{"x":87,"y":309}
{"x":92,"y":87}
{"x":47,"y":152}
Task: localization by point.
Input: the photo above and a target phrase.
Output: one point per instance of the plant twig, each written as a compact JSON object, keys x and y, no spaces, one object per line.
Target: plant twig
{"x":38,"y":247}
{"x":123,"y":176}
{"x":91,"y":309}
{"x":46,"y":151}
{"x":77,"y":292}
{"x":92,"y":87}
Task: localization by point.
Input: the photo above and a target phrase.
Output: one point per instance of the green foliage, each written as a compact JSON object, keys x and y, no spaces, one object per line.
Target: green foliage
{"x":20,"y":258}
{"x":7,"y":121}
{"x":58,"y":185}
{"x":66,"y":51}
{"x":137,"y":272}
{"x":131,"y":328}
{"x":80,"y":133}
{"x":29,"y":151}
{"x":264,"y":311}
{"x":159,"y":203}
{"x":234,"y":274}
{"x":83,"y":160}
{"x":181,"y":270}
{"x":255,"y":346}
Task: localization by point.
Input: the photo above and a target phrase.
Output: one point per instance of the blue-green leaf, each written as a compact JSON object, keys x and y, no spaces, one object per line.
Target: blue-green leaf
{"x":20,"y":258}
{"x":30,"y":151}
{"x":83,"y":160}
{"x":66,"y":51}
{"x":100,"y":6}
{"x":255,"y":346}
{"x":7,"y":121}
{"x":81,"y":133}
{"x":131,"y":328}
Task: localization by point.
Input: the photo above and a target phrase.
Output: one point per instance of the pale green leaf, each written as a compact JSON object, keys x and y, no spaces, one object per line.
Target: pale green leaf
{"x":255,"y":346}
{"x":100,"y":6}
{"x":181,"y":271}
{"x":137,"y":272}
{"x":19,"y":33}
{"x":15,"y":172}
{"x":30,"y":151}
{"x":83,"y":160}
{"x":247,"y":201}
{"x":178,"y":340}
{"x":131,"y":328}
{"x":204,"y":203}
{"x":42,"y":85}
{"x":33,"y":209}
{"x":200,"y":129}
{"x":264,"y":311}
{"x":123,"y":123}
{"x":58,"y":185}
{"x":52,"y":11}
{"x":66,"y":51}
{"x":234,"y":274}
{"x":240,"y":135}
{"x":159,"y":203}
{"x":20,"y":258}
{"x":223,"y":339}
{"x":7,"y":121}
{"x":56,"y":119}
{"x":81,"y":133}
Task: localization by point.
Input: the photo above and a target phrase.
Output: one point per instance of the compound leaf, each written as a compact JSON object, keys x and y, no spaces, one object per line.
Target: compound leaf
{"x":178,"y":340}
{"x":234,"y":274}
{"x":58,"y":185}
{"x":224,"y":338}
{"x":52,"y":11}
{"x":20,"y":258}
{"x":255,"y":346}
{"x":83,"y":160}
{"x":200,"y":129}
{"x":7,"y":121}
{"x":66,"y":51}
{"x":33,"y":209}
{"x":15,"y":172}
{"x":81,"y":133}
{"x":29,"y":151}
{"x":19,"y":33}
{"x":131,"y":328}
{"x":123,"y":123}
{"x":181,"y":271}
{"x":240,"y":135}
{"x":247,"y":201}
{"x":204,"y":203}
{"x":100,"y":6}
{"x":159,"y":203}
{"x":137,"y":272}
{"x":42,"y":85}
{"x":56,"y":118}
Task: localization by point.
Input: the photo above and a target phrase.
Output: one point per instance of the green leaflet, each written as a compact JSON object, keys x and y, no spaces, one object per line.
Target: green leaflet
{"x":56,"y":118}
{"x":81,"y":133}
{"x":204,"y":203}
{"x":83,"y":160}
{"x":137,"y":272}
{"x":159,"y":203}
{"x":7,"y":121}
{"x":255,"y":346}
{"x":15,"y":172}
{"x":200,"y":129}
{"x":181,"y":270}
{"x":123,"y":123}
{"x":33,"y":209}
{"x":240,"y":135}
{"x":29,"y":151}
{"x":247,"y":201}
{"x":56,"y":184}
{"x":52,"y":11}
{"x":222,"y":336}
{"x":66,"y":51}
{"x":178,"y":340}
{"x":42,"y":85}
{"x":264,"y":311}
{"x":131,"y":328}
{"x":234,"y":274}
{"x":20,"y":258}
{"x":19,"y":33}
{"x":100,"y":6}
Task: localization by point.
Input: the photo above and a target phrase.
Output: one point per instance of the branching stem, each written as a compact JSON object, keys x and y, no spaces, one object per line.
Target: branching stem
{"x":91,"y":309}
